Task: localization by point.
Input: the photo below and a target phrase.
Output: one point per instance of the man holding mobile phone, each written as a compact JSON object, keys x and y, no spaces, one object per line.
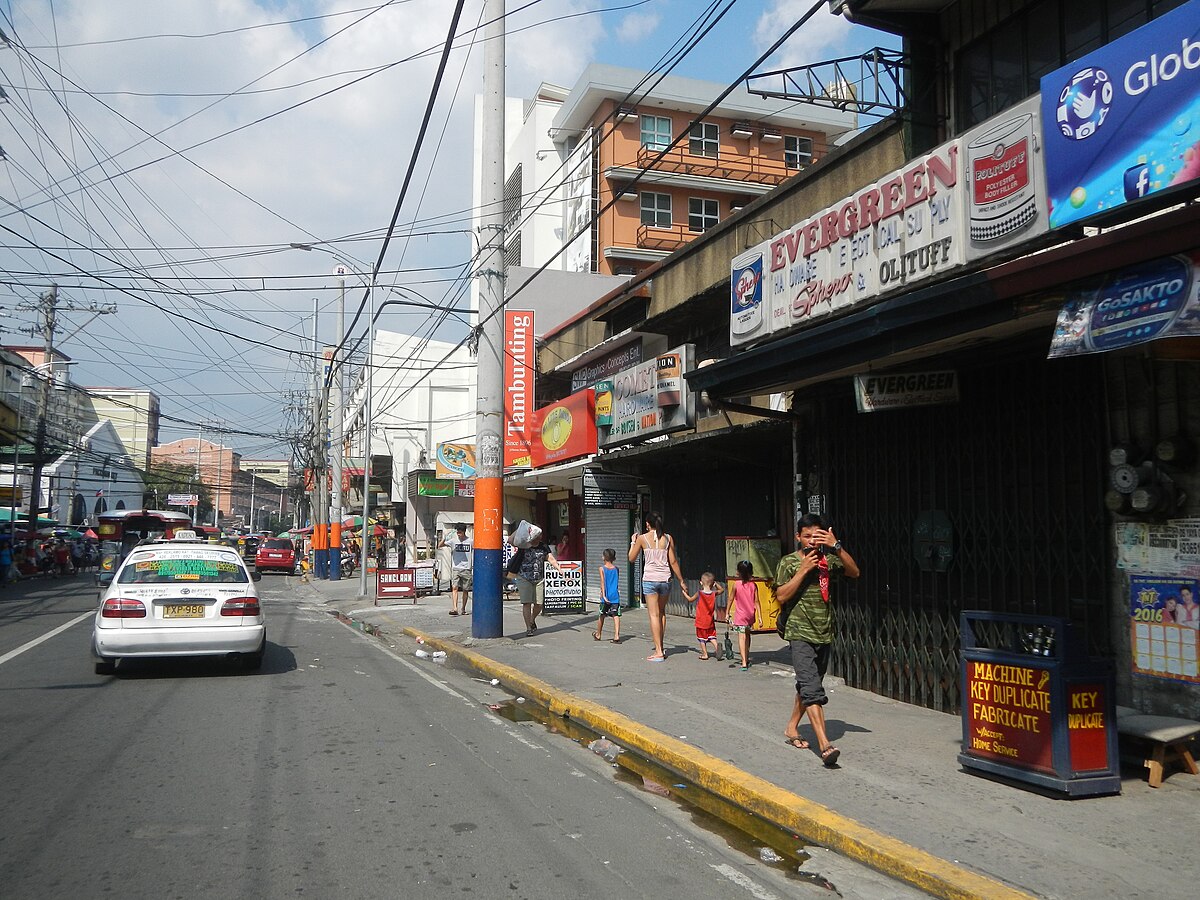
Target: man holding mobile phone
{"x":803,"y":581}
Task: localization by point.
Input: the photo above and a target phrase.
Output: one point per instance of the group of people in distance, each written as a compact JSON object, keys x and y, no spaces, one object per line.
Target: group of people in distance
{"x":802,"y":583}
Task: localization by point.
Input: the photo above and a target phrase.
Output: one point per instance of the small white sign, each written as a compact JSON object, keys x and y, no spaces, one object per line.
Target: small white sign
{"x":564,"y":587}
{"x":900,"y":390}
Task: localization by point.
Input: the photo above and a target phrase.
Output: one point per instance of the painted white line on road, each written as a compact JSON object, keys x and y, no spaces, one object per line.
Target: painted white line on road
{"x":11,"y":654}
{"x":404,"y":662}
{"x":744,"y":881}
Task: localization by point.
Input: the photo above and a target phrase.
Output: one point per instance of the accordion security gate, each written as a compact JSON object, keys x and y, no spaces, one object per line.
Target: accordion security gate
{"x":1018,"y":468}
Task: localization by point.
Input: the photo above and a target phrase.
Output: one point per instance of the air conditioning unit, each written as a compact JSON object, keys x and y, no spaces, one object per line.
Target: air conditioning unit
{"x":772,"y":135}
{"x":629,"y":195}
{"x":741,"y":130}
{"x":625,"y":112}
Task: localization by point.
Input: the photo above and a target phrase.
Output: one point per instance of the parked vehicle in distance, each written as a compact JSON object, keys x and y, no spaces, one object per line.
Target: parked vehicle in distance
{"x":276,"y":555}
{"x":180,"y":597}
{"x":121,"y":530}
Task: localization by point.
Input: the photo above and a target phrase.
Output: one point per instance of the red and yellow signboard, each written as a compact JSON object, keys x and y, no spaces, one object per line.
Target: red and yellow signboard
{"x":565,"y":430}
{"x":1087,"y":730}
{"x":1009,"y":714}
{"x":518,"y":387}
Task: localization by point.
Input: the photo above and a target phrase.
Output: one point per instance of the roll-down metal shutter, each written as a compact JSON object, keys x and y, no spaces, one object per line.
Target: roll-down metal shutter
{"x":606,"y":528}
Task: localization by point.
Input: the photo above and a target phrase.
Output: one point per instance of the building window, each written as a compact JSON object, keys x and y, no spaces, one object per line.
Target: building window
{"x":702,"y":140}
{"x":797,"y":151}
{"x":1005,"y":65}
{"x":656,"y":132}
{"x":656,"y":209}
{"x":702,"y":214}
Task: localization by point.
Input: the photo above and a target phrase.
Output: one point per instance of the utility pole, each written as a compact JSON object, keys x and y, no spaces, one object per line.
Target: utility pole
{"x":320,"y":534}
{"x":487,"y":611}
{"x":48,"y":304}
{"x":337,"y":416}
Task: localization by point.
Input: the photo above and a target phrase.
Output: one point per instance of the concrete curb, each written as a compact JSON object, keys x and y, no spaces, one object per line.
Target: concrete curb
{"x":783,"y":808}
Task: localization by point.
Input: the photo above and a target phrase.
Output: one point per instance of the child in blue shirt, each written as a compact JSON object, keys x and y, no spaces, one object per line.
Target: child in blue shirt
{"x":610,"y":597}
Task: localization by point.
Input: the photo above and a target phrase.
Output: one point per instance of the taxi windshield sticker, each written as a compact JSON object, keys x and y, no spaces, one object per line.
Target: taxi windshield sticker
{"x":205,"y":570}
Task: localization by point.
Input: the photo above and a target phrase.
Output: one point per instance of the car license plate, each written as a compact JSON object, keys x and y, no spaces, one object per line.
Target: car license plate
{"x":183,"y":611}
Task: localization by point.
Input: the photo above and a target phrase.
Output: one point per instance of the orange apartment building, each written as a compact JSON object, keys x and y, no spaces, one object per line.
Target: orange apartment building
{"x":605,"y":131}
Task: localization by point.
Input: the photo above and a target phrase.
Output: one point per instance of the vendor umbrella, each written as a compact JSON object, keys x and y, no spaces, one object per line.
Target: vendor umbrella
{"x":90,"y":535}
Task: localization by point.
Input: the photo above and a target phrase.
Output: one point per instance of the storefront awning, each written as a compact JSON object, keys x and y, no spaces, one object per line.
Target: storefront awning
{"x":1010,"y":298}
{"x":559,"y":476}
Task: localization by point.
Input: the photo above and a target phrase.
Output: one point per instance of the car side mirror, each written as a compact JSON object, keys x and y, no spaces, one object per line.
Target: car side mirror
{"x":256,"y":576}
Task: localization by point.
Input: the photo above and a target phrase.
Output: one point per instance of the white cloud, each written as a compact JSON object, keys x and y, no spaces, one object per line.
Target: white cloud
{"x":824,"y":36}
{"x":637,"y":26}
{"x":332,"y":167}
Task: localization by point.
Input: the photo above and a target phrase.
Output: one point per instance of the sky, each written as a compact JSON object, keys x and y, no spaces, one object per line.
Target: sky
{"x":163,"y":158}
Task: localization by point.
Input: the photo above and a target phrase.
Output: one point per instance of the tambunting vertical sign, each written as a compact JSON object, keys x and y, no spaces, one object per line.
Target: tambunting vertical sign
{"x":518,"y":387}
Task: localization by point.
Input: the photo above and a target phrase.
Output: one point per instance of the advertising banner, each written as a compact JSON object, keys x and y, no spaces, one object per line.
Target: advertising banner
{"x":455,"y":461}
{"x":564,"y":588}
{"x":428,"y":486}
{"x":182,"y":499}
{"x":903,"y":229}
{"x":607,"y":366}
{"x":1165,"y":627}
{"x":879,"y":390}
{"x":1004,"y":171}
{"x":652,"y":398}
{"x":518,"y":387}
{"x":1008,"y":714}
{"x":577,"y":208}
{"x":1121,"y":121}
{"x":565,"y":430}
{"x":604,"y":490}
{"x":1156,"y":299}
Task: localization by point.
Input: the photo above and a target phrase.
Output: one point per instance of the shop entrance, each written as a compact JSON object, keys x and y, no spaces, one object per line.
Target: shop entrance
{"x":1017,"y":470}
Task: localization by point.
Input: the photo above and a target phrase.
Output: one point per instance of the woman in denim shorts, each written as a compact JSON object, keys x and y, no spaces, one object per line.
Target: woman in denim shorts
{"x":657,"y":550}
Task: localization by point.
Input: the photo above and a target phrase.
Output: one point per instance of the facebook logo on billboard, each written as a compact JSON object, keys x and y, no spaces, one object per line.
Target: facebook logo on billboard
{"x":1137,"y":181}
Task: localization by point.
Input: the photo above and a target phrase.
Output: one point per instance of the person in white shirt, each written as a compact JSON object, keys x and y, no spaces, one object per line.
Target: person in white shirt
{"x":461,"y":572}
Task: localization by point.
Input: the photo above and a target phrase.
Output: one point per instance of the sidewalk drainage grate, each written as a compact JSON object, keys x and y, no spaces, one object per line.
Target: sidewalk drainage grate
{"x":742,"y":830}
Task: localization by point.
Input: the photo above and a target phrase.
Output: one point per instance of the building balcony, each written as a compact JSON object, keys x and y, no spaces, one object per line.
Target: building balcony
{"x":668,"y":239}
{"x":742,"y":169}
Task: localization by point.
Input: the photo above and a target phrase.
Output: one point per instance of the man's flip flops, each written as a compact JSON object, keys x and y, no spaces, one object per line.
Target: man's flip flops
{"x":798,"y":743}
{"x":829,"y":756}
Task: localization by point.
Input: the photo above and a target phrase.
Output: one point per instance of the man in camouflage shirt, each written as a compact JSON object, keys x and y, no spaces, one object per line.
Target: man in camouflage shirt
{"x":803,"y":580}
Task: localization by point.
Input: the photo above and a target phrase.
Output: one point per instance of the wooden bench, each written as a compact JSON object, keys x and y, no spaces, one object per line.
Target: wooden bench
{"x":1166,"y":737}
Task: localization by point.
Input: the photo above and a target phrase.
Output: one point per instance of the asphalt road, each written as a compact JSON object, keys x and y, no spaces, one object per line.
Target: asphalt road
{"x":342,"y":769}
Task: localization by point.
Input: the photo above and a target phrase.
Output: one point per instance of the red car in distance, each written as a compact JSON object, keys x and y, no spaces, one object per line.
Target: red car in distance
{"x":276,"y":555}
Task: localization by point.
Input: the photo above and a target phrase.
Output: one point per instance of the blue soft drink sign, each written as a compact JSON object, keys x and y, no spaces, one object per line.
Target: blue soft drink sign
{"x":1123,"y":122}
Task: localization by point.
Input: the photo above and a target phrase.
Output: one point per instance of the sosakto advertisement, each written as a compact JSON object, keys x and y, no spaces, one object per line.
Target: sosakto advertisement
{"x":1156,"y":299}
{"x":1123,"y":122}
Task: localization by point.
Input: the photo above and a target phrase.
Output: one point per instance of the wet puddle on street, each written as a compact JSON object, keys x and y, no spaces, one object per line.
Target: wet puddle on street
{"x":740,"y":829}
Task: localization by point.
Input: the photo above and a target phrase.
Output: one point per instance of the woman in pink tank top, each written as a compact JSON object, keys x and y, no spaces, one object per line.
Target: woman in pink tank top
{"x":657,"y":550}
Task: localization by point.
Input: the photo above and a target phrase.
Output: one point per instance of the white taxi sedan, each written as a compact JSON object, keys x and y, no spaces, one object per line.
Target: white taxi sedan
{"x":181,"y":597}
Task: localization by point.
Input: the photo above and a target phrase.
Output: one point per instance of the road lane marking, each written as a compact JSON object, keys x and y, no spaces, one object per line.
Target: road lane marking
{"x":743,"y":881}
{"x":404,"y":662}
{"x":11,"y":654}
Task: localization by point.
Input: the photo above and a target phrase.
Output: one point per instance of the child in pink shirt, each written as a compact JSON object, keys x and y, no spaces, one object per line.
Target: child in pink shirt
{"x":745,"y":609}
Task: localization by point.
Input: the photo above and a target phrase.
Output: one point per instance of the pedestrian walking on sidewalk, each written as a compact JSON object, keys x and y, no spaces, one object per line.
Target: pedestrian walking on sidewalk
{"x":657,"y":549}
{"x":610,"y":597}
{"x":745,"y":609}
{"x":705,"y":599}
{"x":6,"y":561}
{"x":461,"y":568}
{"x":803,"y":587}
{"x":529,"y":568}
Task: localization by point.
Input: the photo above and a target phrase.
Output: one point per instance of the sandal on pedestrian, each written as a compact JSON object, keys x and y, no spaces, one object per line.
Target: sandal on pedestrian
{"x":454,"y":612}
{"x":705,"y":656}
{"x":656,"y":658}
{"x":616,"y":640}
{"x":596,"y":636}
{"x":797,"y":742}
{"x":829,"y":756}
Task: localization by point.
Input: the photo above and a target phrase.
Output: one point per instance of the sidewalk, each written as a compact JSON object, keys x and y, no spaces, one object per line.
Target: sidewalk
{"x":898,"y":772}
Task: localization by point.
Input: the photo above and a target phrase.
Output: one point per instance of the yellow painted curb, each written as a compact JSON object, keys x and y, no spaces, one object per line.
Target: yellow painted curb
{"x":781,"y":807}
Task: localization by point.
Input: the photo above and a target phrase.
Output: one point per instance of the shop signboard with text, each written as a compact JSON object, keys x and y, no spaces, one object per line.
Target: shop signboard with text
{"x":1123,"y":122}
{"x":565,"y":430}
{"x":1159,"y":298}
{"x":564,"y":588}
{"x":518,"y":387}
{"x":395,"y":584}
{"x":967,"y":199}
{"x":652,"y":398}
{"x":607,"y":366}
{"x":455,"y":461}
